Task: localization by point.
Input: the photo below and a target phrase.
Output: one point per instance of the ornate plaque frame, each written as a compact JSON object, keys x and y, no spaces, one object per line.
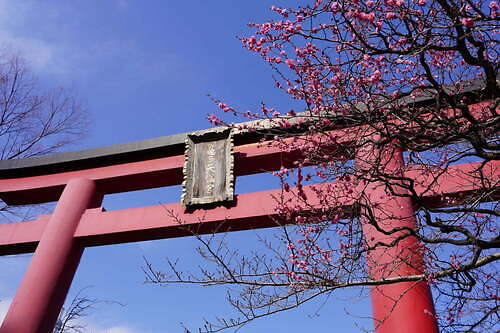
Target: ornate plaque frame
{"x":208,"y":168}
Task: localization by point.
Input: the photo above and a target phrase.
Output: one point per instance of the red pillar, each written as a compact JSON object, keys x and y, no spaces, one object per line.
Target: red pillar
{"x":39,"y":299}
{"x":406,"y":306}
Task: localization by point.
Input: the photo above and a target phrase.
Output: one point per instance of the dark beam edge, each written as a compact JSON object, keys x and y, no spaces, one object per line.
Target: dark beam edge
{"x":145,"y":149}
{"x":162,"y":178}
{"x":109,"y":155}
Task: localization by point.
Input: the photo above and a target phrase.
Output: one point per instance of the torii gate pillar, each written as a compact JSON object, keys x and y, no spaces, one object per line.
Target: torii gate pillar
{"x":79,"y":180}
{"x":43,"y":289}
{"x":404,"y":306}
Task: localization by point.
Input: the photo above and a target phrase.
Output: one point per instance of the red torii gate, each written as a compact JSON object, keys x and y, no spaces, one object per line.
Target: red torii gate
{"x":78,"y":180}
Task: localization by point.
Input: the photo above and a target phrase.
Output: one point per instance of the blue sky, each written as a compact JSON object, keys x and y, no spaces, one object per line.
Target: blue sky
{"x":143,"y":69}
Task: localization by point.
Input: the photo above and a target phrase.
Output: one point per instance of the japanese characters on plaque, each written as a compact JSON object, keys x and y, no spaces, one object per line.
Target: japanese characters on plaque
{"x":208,"y":168}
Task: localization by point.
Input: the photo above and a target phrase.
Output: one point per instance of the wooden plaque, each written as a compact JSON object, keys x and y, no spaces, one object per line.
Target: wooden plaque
{"x":208,"y":168}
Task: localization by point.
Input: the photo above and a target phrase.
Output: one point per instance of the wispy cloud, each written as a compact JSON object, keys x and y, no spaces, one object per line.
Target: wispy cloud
{"x":14,"y":14}
{"x":89,"y":326}
{"x":67,"y":56}
{"x":122,"y":4}
{"x":4,"y":307}
{"x":118,"y":329}
{"x":11,"y":272}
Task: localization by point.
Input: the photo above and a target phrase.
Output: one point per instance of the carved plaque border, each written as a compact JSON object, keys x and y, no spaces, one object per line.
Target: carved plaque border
{"x":208,"y":158}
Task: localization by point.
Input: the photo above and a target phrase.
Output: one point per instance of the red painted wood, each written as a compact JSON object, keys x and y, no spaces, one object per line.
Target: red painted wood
{"x":406,"y":306}
{"x":125,"y":177}
{"x":167,"y":171}
{"x":43,"y":289}
{"x":62,"y":236}
{"x":252,"y":210}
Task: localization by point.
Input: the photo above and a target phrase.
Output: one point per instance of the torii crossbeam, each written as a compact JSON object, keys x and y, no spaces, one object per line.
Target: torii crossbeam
{"x":78,"y":181}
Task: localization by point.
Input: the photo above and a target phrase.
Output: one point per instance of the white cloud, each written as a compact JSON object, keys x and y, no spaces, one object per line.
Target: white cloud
{"x":113,"y":329}
{"x":5,"y":303}
{"x":4,"y":307}
{"x":14,"y":14}
{"x":66,"y":56}
{"x":12,"y":269}
{"x":122,"y":4}
{"x":118,"y":329}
